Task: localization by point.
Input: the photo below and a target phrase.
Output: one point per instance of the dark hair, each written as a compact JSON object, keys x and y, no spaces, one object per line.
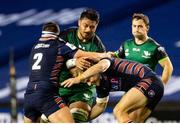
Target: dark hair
{"x":90,"y":14}
{"x":141,"y":16}
{"x":51,"y":27}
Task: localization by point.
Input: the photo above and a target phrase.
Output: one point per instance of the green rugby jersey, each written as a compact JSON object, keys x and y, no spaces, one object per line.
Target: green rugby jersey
{"x":94,"y":45}
{"x":148,"y":53}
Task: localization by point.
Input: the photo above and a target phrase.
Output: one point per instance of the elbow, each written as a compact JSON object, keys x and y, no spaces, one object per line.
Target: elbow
{"x":100,"y":67}
{"x":104,"y":65}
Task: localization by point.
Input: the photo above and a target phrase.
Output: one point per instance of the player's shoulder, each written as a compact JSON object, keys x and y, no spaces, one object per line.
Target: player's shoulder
{"x":98,"y":42}
{"x":159,"y":47}
{"x":154,"y":42}
{"x":128,"y":41}
{"x":96,"y":38}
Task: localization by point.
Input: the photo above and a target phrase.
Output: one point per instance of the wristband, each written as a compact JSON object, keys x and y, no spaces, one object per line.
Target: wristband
{"x":70,"y":63}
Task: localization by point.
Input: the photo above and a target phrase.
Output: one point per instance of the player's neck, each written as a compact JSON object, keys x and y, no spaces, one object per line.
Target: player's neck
{"x":47,"y":37}
{"x":81,"y":37}
{"x":140,"y":41}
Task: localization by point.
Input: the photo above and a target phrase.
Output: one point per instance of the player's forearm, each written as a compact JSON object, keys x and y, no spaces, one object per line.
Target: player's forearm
{"x":97,"y":110}
{"x":167,"y":69}
{"x":93,"y":70}
{"x":100,"y":67}
{"x":166,"y":75}
{"x":92,"y":55}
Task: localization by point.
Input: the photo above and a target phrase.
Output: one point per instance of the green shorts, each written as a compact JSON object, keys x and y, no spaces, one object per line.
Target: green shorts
{"x":80,"y":92}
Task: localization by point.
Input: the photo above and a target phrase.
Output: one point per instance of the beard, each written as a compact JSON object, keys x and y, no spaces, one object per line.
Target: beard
{"x":139,"y":36}
{"x":86,"y":36}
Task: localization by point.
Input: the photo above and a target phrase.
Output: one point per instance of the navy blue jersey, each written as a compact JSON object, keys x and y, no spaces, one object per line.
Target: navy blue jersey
{"x":127,"y":68}
{"x":47,"y":59}
{"x":121,"y":76}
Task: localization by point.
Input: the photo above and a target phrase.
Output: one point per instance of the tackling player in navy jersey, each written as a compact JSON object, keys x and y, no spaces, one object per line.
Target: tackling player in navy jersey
{"x":143,"y":88}
{"x":48,"y":55}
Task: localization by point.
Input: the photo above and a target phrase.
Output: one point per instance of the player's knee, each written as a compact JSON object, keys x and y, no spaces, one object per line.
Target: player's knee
{"x":135,"y":117}
{"x":27,"y":120}
{"x":119,"y":111}
{"x":80,"y":115}
{"x":116,"y":111}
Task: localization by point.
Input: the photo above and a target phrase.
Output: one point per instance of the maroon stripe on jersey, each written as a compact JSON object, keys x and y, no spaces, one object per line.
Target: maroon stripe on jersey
{"x":55,"y":83}
{"x":58,"y":100}
{"x":56,"y":66}
{"x":116,"y":62}
{"x":54,"y":73}
{"x":53,"y":78}
{"x":137,"y":68}
{"x":143,"y":85}
{"x":122,"y":66}
{"x":148,"y":80}
{"x":59,"y":59}
{"x":62,"y":105}
{"x":141,"y":73}
{"x":130,"y":67}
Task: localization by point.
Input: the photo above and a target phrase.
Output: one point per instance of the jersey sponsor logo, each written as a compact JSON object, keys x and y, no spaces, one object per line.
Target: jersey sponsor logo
{"x":71,"y":46}
{"x":151,"y":93}
{"x":114,"y":84}
{"x":136,"y":49}
{"x":41,"y":45}
{"x":127,"y":52}
{"x":81,"y":47}
{"x":87,"y":97}
{"x":146,"y":54}
{"x":161,"y":49}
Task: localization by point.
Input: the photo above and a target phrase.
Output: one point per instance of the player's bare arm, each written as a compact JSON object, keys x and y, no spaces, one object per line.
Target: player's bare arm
{"x":100,"y":67}
{"x":167,"y":69}
{"x":92,"y":55}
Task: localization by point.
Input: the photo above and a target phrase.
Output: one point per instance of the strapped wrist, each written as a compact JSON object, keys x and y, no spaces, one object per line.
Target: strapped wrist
{"x":70,"y":63}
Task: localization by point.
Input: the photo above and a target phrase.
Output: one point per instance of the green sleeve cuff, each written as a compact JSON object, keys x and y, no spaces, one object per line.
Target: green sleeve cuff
{"x":163,"y":59}
{"x":116,"y":54}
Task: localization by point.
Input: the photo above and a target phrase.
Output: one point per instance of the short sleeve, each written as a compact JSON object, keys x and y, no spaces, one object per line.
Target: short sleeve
{"x":120,"y":52}
{"x":160,"y":53}
{"x":68,"y":50}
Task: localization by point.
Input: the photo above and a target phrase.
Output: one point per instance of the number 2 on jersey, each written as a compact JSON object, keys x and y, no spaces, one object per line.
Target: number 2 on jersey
{"x":37,"y":57}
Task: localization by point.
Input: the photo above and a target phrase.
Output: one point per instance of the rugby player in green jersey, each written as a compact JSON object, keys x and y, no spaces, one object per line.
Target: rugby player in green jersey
{"x":144,"y":49}
{"x":80,"y":97}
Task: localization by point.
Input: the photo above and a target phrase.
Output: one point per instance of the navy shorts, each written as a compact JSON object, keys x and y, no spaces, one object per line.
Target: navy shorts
{"x":41,"y":99}
{"x":152,"y":87}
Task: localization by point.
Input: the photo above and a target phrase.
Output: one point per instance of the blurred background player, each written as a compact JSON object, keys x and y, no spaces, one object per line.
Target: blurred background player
{"x":80,"y":96}
{"x":144,"y":49}
{"x":142,"y":86}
